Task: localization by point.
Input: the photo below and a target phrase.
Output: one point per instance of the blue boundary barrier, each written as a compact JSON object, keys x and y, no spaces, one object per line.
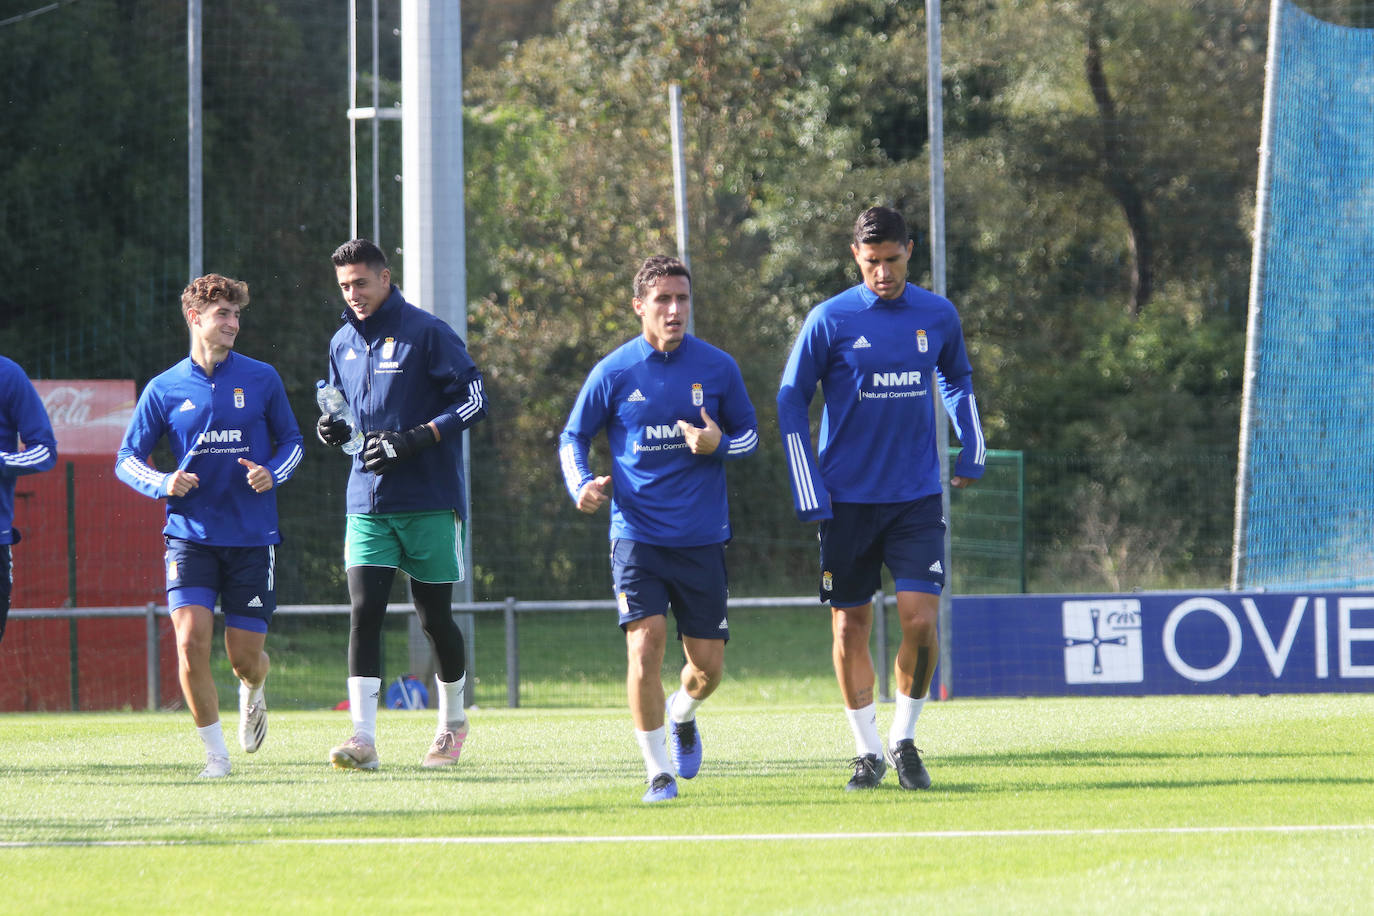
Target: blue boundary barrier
{"x":1162,"y":643}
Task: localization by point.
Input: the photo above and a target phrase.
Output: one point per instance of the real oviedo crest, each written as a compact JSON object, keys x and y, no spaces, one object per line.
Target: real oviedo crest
{"x":698,"y":396}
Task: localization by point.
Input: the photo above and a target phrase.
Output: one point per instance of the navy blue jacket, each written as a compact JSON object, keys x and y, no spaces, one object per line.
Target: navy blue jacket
{"x":22,"y":419}
{"x":399,"y":368}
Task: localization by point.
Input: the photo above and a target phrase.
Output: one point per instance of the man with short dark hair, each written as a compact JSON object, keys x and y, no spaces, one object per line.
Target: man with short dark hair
{"x":231,"y":430}
{"x":878,"y":351}
{"x":413,"y":389}
{"x":27,"y":446}
{"x":670,"y":519}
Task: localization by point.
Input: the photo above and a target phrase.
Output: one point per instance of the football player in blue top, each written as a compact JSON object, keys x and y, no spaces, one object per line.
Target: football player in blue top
{"x":413,"y":388}
{"x":232,"y":433}
{"x":675,"y":410}
{"x":879,"y":351}
{"x":27,"y":446}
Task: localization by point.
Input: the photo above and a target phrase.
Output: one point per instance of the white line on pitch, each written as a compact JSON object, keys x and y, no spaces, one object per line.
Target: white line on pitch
{"x":707,"y":838}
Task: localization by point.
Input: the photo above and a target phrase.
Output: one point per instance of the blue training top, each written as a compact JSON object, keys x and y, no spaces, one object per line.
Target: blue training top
{"x":876,"y":360}
{"x":22,"y":419}
{"x":399,"y":368}
{"x":210,"y":423}
{"x":661,"y":493}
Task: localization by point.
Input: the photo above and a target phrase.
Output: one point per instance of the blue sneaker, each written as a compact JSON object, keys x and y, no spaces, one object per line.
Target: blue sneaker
{"x":684,"y":746}
{"x":662,"y":788}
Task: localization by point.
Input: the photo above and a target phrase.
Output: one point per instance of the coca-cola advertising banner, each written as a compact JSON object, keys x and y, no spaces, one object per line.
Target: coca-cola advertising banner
{"x":88,"y":416}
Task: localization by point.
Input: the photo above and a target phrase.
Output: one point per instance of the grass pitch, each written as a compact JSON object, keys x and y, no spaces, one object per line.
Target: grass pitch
{"x":1160,"y":804}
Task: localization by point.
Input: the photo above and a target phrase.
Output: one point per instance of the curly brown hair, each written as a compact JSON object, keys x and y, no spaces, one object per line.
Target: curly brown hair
{"x":212,"y":287}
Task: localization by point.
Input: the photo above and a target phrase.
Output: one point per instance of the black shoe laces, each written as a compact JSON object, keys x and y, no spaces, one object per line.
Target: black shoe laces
{"x":686,"y":734}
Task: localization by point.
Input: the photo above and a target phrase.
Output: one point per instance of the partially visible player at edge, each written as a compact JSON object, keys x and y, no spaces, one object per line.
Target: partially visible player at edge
{"x":27,"y":446}
{"x":414,"y":389}
{"x":670,"y":518}
{"x":230,"y":428}
{"x":878,"y":350}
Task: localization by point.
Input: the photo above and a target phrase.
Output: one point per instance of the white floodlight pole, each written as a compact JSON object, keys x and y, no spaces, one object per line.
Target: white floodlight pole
{"x":195,"y":175}
{"x":680,"y":183}
{"x":936,"y":123}
{"x":434,"y":266}
{"x":373,"y":113}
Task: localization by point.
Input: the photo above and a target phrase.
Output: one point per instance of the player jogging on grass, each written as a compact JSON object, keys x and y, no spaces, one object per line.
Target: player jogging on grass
{"x":879,"y":350}
{"x":414,"y":389}
{"x":232,"y":433}
{"x":675,"y":410}
{"x":27,"y":446}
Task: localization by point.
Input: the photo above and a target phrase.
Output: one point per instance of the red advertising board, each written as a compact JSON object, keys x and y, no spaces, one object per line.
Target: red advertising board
{"x":87,"y":541}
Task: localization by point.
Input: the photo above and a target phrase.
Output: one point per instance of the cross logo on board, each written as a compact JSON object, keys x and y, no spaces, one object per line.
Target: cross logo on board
{"x":1102,"y":642}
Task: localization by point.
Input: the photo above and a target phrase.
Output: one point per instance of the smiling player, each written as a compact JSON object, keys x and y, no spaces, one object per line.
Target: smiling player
{"x":231,"y":430}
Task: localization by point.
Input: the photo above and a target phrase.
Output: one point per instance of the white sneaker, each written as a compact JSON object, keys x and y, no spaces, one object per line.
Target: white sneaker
{"x":252,"y":723}
{"x":215,"y":768}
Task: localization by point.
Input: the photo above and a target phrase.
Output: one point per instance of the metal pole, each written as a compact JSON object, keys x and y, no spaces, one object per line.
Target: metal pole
{"x":195,"y":178}
{"x":936,"y":124}
{"x":880,"y":630}
{"x":680,"y":183}
{"x":1255,"y":319}
{"x":352,"y":119}
{"x":433,"y":235}
{"x":512,"y":657}
{"x":154,"y":656}
{"x":376,"y":133}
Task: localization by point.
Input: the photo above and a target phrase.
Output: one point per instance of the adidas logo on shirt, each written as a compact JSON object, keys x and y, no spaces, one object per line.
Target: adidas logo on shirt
{"x":862,"y":343}
{"x":351,"y":355}
{"x":186,"y":405}
{"x":936,"y":567}
{"x":637,"y":396}
{"x":256,"y":602}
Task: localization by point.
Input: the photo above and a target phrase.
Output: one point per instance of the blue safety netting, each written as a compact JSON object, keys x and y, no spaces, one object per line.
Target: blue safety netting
{"x":1308,"y":489}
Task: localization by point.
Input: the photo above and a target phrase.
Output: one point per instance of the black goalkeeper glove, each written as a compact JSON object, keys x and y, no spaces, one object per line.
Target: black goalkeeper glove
{"x":387,"y":449}
{"x":333,"y":432}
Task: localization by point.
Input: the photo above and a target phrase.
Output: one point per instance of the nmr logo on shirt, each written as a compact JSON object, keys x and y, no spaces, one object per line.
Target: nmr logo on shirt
{"x":1102,"y":642}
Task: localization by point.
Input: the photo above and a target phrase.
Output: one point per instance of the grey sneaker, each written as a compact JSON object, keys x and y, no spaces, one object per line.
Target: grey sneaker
{"x":356,"y":753}
{"x":869,"y":770}
{"x":911,"y":772}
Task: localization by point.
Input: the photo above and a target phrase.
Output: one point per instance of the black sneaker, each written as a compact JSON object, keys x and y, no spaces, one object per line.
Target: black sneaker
{"x":869,"y":770}
{"x":911,"y":772}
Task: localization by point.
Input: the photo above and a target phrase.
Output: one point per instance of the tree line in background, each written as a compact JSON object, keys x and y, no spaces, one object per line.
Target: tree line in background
{"x":1100,"y":180}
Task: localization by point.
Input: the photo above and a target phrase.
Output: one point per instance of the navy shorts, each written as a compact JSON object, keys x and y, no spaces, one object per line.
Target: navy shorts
{"x":243,"y":579}
{"x":861,"y":537}
{"x":649,"y":578}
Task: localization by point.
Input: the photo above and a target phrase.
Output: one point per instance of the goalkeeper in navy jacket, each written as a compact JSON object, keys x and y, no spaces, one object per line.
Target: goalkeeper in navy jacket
{"x":234,"y":438}
{"x":675,"y":410}
{"x":879,"y":351}
{"x":23,"y":422}
{"x":413,"y":389}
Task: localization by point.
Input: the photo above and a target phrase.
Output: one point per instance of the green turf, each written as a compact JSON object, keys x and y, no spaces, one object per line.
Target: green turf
{"x":1202,"y":804}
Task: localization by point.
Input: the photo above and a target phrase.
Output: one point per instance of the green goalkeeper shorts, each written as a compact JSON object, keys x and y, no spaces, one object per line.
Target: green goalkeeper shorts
{"x":427,"y":546}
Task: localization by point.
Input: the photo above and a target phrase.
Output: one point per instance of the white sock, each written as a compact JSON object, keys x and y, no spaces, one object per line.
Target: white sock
{"x":682,"y":706}
{"x":904,"y":718}
{"x":213,"y":736}
{"x":655,"y":752}
{"x":249,"y":695}
{"x":864,"y":724}
{"x":451,"y":713}
{"x":362,"y":705}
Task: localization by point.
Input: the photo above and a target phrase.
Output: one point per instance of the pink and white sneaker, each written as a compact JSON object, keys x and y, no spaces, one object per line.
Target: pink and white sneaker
{"x":448,"y":744}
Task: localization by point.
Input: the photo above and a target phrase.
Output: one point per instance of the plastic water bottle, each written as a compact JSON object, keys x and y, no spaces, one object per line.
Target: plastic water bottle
{"x":333,"y":405}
